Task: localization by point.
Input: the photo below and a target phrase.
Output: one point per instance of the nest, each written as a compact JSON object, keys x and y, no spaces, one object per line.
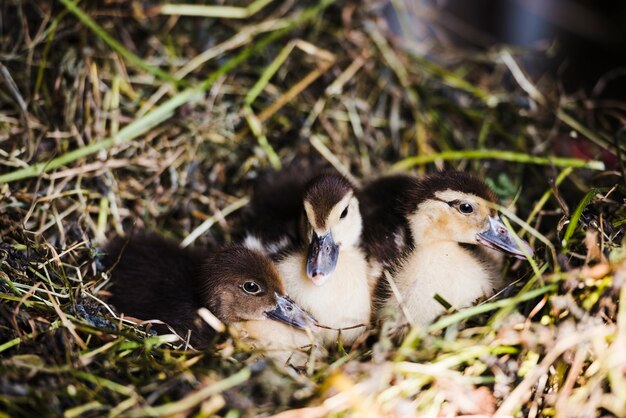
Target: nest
{"x":122,"y":114}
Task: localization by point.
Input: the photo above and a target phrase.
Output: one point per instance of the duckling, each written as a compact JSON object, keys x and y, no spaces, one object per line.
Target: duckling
{"x":153,"y":278}
{"x":271,"y":222}
{"x":386,"y":232}
{"x":331,"y":278}
{"x":324,"y":268}
{"x":288,"y":345}
{"x":386,"y":237}
{"x":458,"y":245}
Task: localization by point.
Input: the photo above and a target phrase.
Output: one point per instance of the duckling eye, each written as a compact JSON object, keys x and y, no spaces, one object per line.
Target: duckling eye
{"x":466,"y":208}
{"x":344,"y":213}
{"x":251,"y":288}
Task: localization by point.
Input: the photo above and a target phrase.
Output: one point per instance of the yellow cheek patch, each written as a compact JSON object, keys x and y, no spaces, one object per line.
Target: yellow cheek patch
{"x":441,"y":223}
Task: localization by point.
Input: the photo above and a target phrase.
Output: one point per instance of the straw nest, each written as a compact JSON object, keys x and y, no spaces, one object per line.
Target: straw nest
{"x":123,"y":114}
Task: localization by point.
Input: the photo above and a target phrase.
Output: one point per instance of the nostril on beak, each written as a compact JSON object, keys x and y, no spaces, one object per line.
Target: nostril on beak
{"x":502,"y":231}
{"x":289,"y":308}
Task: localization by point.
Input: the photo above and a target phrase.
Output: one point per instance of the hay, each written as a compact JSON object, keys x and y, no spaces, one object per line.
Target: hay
{"x":116,"y":115}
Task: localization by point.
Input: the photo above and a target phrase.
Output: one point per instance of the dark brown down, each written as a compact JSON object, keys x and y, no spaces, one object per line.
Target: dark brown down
{"x":153,"y":278}
{"x":323,"y":192}
{"x":459,"y":181}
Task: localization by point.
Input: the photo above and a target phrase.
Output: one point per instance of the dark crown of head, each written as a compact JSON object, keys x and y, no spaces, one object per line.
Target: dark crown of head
{"x":324,"y":192}
{"x":459,"y":181}
{"x":240,"y":262}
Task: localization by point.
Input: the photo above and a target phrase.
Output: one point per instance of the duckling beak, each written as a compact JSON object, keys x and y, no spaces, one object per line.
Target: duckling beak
{"x":498,"y":237}
{"x":291,"y":314}
{"x":322,"y":258}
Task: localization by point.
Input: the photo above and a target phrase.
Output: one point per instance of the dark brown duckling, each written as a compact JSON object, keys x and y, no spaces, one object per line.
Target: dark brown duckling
{"x":271,"y":222}
{"x":153,"y":278}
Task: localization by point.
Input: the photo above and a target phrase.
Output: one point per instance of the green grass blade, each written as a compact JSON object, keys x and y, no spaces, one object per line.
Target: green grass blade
{"x":137,"y":127}
{"x":195,"y":398}
{"x":453,"y":80}
{"x":105,"y":383}
{"x":267,"y":74}
{"x":415,"y":333}
{"x":544,"y":198}
{"x":597,"y":138}
{"x":573,"y":223}
{"x":126,"y":134}
{"x":115,"y":45}
{"x":515,"y":157}
{"x":164,"y":111}
{"x":257,"y":131}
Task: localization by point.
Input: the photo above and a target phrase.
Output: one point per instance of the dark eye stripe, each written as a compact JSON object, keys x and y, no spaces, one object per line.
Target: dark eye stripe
{"x":463,"y":207}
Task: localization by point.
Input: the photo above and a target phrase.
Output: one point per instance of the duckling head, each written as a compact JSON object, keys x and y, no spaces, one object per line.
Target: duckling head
{"x":332,"y":221}
{"x":456,"y":206}
{"x":241,"y":284}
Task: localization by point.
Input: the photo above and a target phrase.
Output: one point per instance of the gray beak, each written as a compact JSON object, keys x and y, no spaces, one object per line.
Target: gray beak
{"x":291,"y":314}
{"x":498,"y":237}
{"x":322,"y":258}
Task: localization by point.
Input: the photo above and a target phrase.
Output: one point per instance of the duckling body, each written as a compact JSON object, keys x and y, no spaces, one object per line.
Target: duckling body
{"x":325,"y":269}
{"x":272,"y":219}
{"x":386,"y":233}
{"x":446,"y":269}
{"x":342,"y":302}
{"x":331,"y":277}
{"x":152,"y":278}
{"x":458,"y":245}
{"x":287,"y":344}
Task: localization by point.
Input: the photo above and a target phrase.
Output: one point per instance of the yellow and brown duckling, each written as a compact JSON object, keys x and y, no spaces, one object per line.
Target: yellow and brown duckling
{"x":325,"y":270}
{"x":153,"y":278}
{"x":458,"y":243}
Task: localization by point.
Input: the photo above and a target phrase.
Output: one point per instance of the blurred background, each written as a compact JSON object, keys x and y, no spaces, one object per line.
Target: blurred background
{"x":581,"y":43}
